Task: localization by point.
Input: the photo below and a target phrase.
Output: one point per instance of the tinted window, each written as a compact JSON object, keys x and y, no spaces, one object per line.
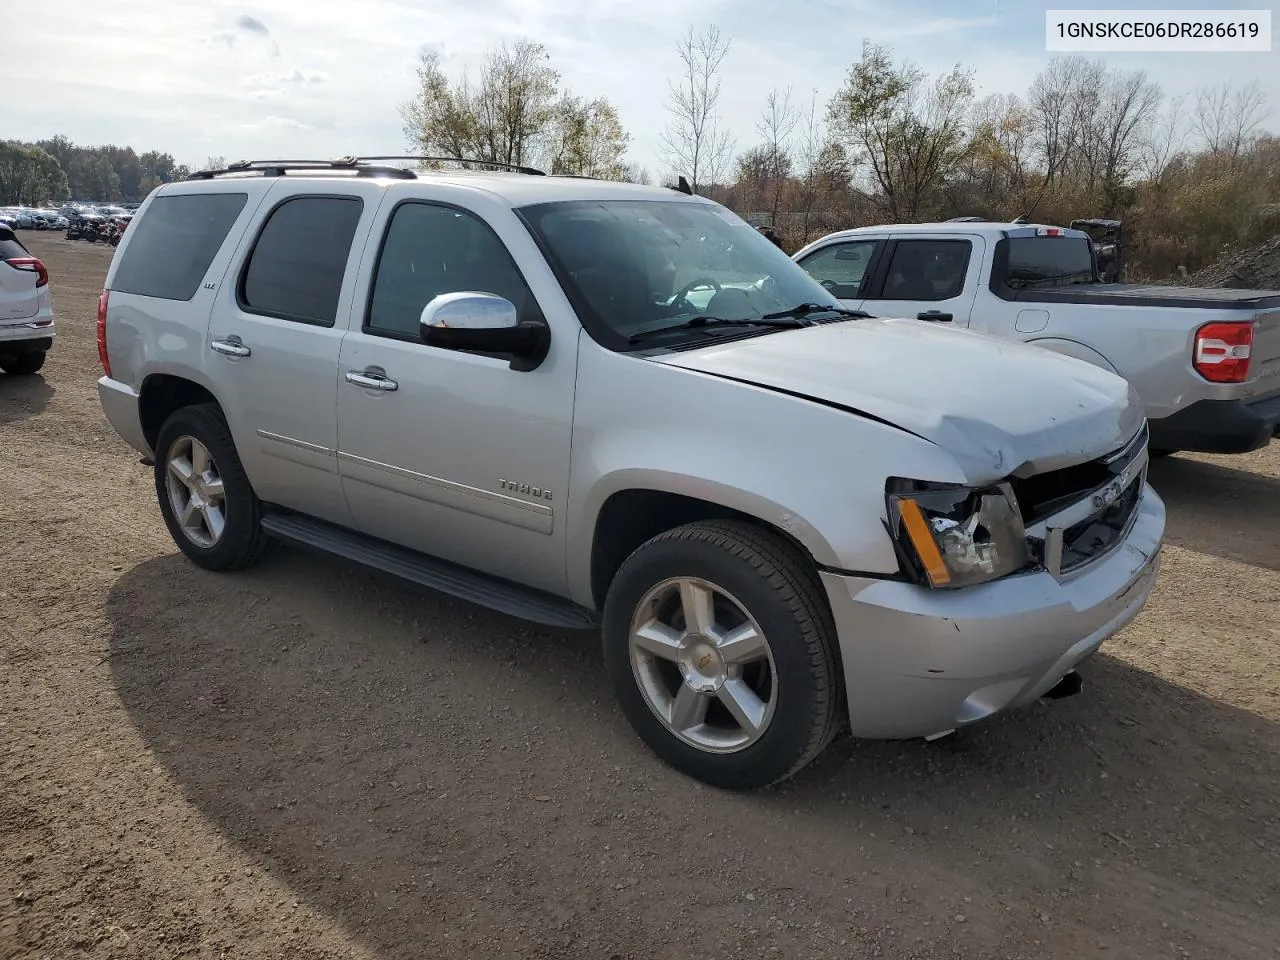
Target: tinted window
{"x":1048,"y":261}
{"x":631,"y":266}
{"x":927,"y":270}
{"x":10,"y":246}
{"x":296,"y":268}
{"x":841,"y":267}
{"x":430,"y":250}
{"x":169,"y":249}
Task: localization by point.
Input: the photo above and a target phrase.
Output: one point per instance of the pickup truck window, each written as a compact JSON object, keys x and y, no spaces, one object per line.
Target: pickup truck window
{"x":927,"y":270}
{"x":296,"y":267}
{"x":1047,"y":261}
{"x":841,"y":267}
{"x":632,"y":265}
{"x":170,"y":248}
{"x":430,"y":249}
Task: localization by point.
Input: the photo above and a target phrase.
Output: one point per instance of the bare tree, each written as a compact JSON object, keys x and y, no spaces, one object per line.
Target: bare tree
{"x":1129,"y":104}
{"x":693,"y":143}
{"x":776,"y":125}
{"x":812,"y":139}
{"x":1165,"y":138}
{"x":1227,"y":118}
{"x":1056,"y":110}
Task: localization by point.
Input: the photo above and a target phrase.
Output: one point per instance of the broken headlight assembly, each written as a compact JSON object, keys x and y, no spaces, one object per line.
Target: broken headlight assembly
{"x":955,"y":536}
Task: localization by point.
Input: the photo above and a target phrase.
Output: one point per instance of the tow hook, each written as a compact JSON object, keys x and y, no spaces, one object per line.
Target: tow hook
{"x":1070,"y":684}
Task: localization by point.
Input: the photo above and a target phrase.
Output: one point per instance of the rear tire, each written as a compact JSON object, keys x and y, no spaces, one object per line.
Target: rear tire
{"x":205,"y":496}
{"x":740,"y":699}
{"x":22,"y":364}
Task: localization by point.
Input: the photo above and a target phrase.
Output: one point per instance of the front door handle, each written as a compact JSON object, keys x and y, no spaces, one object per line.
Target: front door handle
{"x":371,"y":381}
{"x":936,"y":315}
{"x":231,"y":347}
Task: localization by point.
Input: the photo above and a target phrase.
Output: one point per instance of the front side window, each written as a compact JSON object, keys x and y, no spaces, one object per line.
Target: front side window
{"x":927,"y":270}
{"x":841,"y":267}
{"x":633,"y":266}
{"x":296,"y":268}
{"x":432,"y":249}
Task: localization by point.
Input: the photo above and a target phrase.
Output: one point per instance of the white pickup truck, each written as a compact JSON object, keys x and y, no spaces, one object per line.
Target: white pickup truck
{"x":1205,"y":362}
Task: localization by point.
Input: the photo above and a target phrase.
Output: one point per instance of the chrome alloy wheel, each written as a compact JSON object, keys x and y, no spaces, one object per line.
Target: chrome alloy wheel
{"x":703,"y":665}
{"x":195,"y":491}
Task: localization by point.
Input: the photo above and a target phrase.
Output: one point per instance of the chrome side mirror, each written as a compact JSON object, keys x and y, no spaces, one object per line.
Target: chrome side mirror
{"x":483,"y":323}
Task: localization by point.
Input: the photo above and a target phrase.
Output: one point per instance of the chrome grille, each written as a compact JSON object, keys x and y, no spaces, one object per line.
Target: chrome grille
{"x":1077,"y":515}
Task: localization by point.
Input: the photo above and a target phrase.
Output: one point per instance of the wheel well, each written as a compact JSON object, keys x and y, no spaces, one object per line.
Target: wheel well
{"x":630,"y":517}
{"x":161,"y":395}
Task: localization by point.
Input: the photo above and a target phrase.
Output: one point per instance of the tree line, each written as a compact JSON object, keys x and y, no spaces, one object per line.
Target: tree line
{"x":1191,"y":176}
{"x":56,"y":170}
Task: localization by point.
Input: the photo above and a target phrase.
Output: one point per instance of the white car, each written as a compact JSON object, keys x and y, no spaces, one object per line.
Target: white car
{"x":26,"y":312}
{"x":615,"y":406}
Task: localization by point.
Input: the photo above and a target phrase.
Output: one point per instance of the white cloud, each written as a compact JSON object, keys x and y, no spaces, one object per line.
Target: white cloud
{"x":324,"y":77}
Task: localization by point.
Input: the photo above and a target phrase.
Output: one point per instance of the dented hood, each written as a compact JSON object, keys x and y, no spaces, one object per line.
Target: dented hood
{"x":997,"y":406}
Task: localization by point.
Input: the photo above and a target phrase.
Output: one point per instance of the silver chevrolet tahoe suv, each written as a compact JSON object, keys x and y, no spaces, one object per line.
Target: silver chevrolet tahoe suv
{"x":608,"y":406}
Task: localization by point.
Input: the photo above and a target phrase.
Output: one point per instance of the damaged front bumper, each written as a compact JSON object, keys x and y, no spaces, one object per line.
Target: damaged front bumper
{"x":921,"y":662}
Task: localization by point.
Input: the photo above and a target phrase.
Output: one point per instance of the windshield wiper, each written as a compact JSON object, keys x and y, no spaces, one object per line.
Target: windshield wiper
{"x":701,"y":323}
{"x":804,"y":309}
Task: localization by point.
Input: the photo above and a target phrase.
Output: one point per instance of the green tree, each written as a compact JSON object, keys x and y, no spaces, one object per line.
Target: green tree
{"x":506,"y":116}
{"x":910,"y":135}
{"x":29,"y":175}
{"x":586,"y":139}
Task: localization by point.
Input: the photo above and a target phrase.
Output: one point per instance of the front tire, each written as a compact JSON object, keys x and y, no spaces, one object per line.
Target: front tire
{"x":721,"y":651}
{"x":22,"y":364}
{"x":205,"y":496}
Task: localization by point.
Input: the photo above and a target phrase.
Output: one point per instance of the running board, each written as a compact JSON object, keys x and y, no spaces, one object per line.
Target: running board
{"x":453,"y":579}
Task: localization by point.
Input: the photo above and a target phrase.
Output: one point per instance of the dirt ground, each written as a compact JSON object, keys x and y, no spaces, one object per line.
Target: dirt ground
{"x":309,"y":760}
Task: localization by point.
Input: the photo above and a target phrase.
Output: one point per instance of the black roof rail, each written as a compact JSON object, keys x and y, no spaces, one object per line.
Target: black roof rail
{"x":278,"y":168}
{"x":513,"y":167}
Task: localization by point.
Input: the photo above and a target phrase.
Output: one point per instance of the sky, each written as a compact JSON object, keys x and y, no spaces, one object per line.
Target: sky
{"x":323,"y":78}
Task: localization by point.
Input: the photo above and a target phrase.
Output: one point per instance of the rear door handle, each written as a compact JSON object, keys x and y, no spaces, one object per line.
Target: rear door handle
{"x":371,"y":381}
{"x":936,"y":315}
{"x":231,"y":347}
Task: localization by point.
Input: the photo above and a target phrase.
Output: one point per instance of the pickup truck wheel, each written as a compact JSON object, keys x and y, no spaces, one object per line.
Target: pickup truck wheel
{"x":722,"y":654}
{"x":22,"y":364}
{"x":210,"y":508}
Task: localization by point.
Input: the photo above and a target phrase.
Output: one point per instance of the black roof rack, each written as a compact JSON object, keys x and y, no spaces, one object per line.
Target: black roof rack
{"x":361,"y":166}
{"x":278,"y":168}
{"x":513,"y":167}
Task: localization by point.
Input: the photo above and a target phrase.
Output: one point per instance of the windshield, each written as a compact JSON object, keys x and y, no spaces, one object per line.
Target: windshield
{"x":1049,"y":261}
{"x":635,"y":265}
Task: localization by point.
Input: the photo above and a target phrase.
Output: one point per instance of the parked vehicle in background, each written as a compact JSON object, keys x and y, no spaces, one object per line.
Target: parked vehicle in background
{"x":1205,"y":362}
{"x":26,"y":312}
{"x":785,"y":518}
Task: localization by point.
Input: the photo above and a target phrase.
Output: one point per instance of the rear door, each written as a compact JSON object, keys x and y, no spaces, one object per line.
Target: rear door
{"x":274,"y":339}
{"x":18,"y":297}
{"x":844,"y":267}
{"x":929,"y":277}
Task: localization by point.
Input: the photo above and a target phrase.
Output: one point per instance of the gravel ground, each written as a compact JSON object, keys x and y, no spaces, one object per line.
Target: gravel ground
{"x":313,"y":761}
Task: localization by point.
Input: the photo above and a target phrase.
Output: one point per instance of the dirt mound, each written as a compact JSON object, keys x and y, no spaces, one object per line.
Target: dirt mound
{"x":1257,"y":268}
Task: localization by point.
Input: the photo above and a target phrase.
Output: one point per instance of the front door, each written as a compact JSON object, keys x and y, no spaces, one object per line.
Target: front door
{"x":843,"y":268}
{"x":931,"y":278}
{"x":274,"y":340}
{"x":454,"y":453}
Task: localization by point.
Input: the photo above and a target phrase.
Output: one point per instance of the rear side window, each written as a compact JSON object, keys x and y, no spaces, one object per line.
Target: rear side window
{"x":170,"y":247}
{"x":927,"y":270}
{"x":10,"y":247}
{"x":296,"y":267}
{"x":1048,"y":261}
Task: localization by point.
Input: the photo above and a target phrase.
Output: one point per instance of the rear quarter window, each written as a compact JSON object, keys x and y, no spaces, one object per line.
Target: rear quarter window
{"x":171,"y":246}
{"x":10,"y":246}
